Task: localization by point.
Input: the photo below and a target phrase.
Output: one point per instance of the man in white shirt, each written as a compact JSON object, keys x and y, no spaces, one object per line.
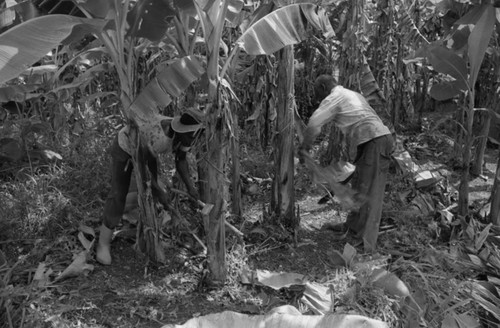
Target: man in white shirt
{"x":159,"y":136}
{"x":369,"y":139}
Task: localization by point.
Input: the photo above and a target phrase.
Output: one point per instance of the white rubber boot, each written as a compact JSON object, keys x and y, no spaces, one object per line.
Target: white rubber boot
{"x":103,"y":253}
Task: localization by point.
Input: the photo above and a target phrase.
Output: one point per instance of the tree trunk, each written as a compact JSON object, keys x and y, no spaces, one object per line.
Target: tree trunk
{"x":283,"y":195}
{"x":477,"y":167}
{"x":459,"y":136}
{"x":148,"y":236}
{"x":213,"y":190}
{"x":495,"y":198}
{"x":463,"y":193}
{"x":235,"y":155}
{"x":148,"y":239}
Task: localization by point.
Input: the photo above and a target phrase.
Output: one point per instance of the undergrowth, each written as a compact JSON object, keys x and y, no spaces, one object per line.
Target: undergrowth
{"x":42,"y":207}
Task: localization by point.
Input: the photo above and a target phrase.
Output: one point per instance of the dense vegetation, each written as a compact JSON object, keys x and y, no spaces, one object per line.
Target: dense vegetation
{"x":74,"y":72}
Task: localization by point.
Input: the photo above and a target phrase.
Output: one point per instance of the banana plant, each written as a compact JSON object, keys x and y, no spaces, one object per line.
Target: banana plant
{"x":265,"y":36}
{"x":123,"y":32}
{"x":460,"y":73}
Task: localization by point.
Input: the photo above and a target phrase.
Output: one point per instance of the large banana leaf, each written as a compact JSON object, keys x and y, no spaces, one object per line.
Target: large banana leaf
{"x":447,"y":62}
{"x":285,"y":26}
{"x":170,"y":82}
{"x":479,"y":40}
{"x":26,"y":43}
{"x":282,"y":317}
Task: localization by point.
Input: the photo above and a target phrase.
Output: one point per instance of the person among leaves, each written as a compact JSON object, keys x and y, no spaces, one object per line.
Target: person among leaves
{"x":161,"y":136}
{"x":369,"y":138}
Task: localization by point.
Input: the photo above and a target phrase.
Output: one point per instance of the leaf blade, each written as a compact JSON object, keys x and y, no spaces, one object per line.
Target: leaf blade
{"x":26,"y":43}
{"x":283,"y":27}
{"x":478,"y":41}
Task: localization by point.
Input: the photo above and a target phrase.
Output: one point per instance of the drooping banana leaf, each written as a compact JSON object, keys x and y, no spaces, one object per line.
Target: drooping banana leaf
{"x":285,"y":26}
{"x":26,"y":43}
{"x":368,"y":84}
{"x":170,"y":82}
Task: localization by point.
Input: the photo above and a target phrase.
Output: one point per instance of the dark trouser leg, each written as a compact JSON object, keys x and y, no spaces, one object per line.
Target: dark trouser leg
{"x":369,"y":179}
{"x":121,"y":171}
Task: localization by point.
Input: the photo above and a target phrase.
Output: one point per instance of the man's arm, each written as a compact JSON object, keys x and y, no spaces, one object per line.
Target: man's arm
{"x":325,"y":113}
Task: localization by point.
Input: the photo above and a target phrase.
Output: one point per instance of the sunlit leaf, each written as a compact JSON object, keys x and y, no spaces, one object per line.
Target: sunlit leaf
{"x":285,"y":26}
{"x":317,"y":297}
{"x":278,"y":280}
{"x":349,"y":253}
{"x":78,"y":267}
{"x":280,"y":318}
{"x":170,"y":82}
{"x":389,"y":282}
{"x":39,"y":70}
{"x":26,"y":43}
{"x":233,"y":11}
{"x":42,"y":275}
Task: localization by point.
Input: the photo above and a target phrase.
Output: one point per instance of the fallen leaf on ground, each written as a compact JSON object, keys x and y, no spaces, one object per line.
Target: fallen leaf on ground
{"x":78,"y":267}
{"x":282,"y":318}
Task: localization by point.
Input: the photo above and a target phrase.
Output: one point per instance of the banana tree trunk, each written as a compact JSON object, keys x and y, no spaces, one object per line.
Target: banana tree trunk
{"x":148,"y":234}
{"x":495,"y":198}
{"x":213,"y":190}
{"x":235,"y":169}
{"x":477,"y":167}
{"x":283,"y":195}
{"x":463,"y":196}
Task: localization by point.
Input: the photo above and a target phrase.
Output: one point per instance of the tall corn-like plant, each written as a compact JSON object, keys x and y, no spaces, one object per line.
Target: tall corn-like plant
{"x":121,"y":27}
{"x":149,"y":20}
{"x":213,"y":188}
